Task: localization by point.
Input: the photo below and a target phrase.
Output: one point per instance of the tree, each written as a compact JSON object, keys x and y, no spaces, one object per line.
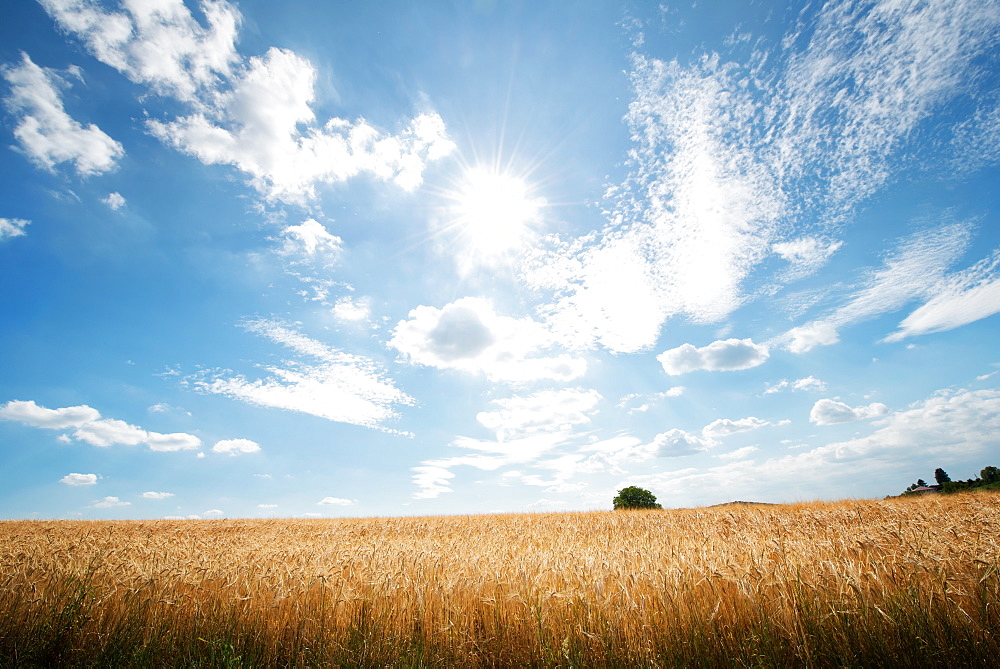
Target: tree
{"x":990,"y":475}
{"x":941,"y":476}
{"x":633,"y":497}
{"x":921,"y":483}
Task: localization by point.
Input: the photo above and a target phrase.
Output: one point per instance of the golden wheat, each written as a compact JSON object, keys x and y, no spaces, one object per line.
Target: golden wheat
{"x":819,"y":584}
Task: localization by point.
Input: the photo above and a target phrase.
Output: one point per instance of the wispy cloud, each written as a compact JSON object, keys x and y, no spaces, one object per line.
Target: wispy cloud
{"x":917,"y":268}
{"x":338,"y":386}
{"x":45,"y":132}
{"x":734,"y":158}
{"x":527,"y":429}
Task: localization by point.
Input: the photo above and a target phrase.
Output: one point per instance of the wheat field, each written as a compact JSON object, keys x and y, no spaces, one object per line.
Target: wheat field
{"x":895,"y":582}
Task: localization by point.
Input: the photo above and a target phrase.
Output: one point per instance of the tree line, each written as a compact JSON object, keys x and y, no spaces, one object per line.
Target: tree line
{"x":989,"y":479}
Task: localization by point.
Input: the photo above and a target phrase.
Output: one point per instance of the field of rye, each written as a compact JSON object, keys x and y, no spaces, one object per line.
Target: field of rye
{"x":896,"y":582}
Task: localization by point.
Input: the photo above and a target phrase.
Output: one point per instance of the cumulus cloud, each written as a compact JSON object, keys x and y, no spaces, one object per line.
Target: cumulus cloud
{"x":257,"y":127}
{"x":79,"y":479}
{"x":157,"y":495}
{"x":114,"y":200}
{"x":719,"y":356}
{"x":352,"y":310}
{"x":45,"y":132}
{"x":335,"y":501}
{"x":255,"y":114}
{"x":93,"y":429}
{"x":310,"y":238}
{"x":469,"y":335}
{"x":338,"y":386}
{"x":12,"y":227}
{"x":109,"y":503}
{"x":29,"y":413}
{"x":948,"y":423}
{"x":724,"y":427}
{"x":236,"y":446}
{"x":830,"y":412}
{"x":158,"y":44}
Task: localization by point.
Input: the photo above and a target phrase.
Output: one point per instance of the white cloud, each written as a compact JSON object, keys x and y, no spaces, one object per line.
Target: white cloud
{"x":335,"y":501}
{"x":807,"y":337}
{"x":259,"y":133}
{"x":546,"y":411}
{"x":176,"y":441}
{"x":340,"y":387}
{"x":725,"y":159}
{"x":45,"y":132}
{"x":310,"y":239}
{"x":431,"y":481}
{"x":34,"y":415}
{"x":254,"y":114}
{"x":236,"y":446}
{"x":724,"y":427}
{"x":108,"y":431}
{"x":804,"y":255}
{"x":351,"y":310}
{"x":114,"y":200}
{"x":109,"y":503}
{"x":79,"y":479}
{"x":950,"y":422}
{"x":468,"y":335}
{"x":214,"y":512}
{"x":675,"y":443}
{"x":723,"y":355}
{"x":93,"y":429}
{"x":738,"y":454}
{"x":808,"y":383}
{"x":918,"y":268}
{"x":12,"y":227}
{"x":267,"y":506}
{"x":963,"y":298}
{"x":157,"y":495}
{"x":830,"y":412}
{"x":157,"y":43}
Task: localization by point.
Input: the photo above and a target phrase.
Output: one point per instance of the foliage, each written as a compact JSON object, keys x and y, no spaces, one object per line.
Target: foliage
{"x":634,"y":497}
{"x":989,"y":479}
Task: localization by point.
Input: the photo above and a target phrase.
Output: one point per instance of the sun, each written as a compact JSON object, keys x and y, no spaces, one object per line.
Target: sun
{"x":494,"y":212}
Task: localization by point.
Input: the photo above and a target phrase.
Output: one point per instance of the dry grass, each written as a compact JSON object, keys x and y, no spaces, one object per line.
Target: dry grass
{"x":858,"y":583}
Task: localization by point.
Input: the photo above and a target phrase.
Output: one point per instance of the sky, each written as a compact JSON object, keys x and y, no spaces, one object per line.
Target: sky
{"x":328,"y":259}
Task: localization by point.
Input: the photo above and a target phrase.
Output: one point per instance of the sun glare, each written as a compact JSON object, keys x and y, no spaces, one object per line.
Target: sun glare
{"x":494,"y":211}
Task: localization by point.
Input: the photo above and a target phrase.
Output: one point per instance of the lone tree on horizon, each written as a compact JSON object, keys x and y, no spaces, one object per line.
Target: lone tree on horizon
{"x":633,"y":497}
{"x":941,"y":476}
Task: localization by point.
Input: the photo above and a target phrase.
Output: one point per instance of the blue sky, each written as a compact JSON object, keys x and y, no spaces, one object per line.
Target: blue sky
{"x":358,"y":259}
